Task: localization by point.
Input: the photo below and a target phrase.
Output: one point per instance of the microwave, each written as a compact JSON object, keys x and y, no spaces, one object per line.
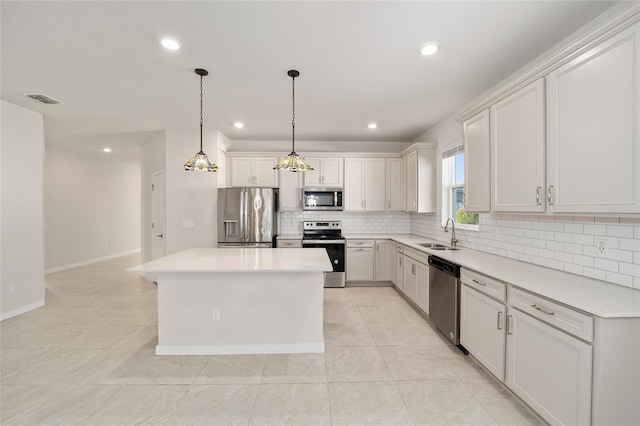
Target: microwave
{"x":322,"y":199}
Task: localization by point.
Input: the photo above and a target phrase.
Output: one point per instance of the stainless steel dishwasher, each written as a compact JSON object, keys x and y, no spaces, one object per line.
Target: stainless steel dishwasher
{"x":444,"y":297}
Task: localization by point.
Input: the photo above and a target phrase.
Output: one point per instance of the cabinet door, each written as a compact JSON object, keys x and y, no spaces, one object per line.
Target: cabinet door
{"x":242,"y":172}
{"x":422,"y":287}
{"x":400,"y":271}
{"x":594,"y":129}
{"x":396,"y":191}
{"x":312,"y":177}
{"x":332,"y":172}
{"x":549,"y":370}
{"x":265,"y":175}
{"x":392,"y":261}
{"x":517,"y":151}
{"x":353,"y":184}
{"x":383,"y":260}
{"x":360,"y":264}
{"x":477,"y":173}
{"x":482,"y":329}
{"x":290,"y":194}
{"x":375,"y":181}
{"x":412,"y":181}
{"x":410,"y":278}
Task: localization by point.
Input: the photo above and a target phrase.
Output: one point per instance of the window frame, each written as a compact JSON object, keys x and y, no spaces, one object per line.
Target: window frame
{"x":447,"y":188}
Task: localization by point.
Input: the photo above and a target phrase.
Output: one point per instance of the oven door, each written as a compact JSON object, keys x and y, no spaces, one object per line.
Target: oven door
{"x":336,"y":251}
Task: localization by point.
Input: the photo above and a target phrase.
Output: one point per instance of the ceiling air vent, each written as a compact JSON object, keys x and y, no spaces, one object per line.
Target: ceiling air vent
{"x":44,"y":99}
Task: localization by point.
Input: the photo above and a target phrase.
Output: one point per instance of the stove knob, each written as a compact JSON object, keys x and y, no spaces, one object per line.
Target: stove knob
{"x":335,"y":261}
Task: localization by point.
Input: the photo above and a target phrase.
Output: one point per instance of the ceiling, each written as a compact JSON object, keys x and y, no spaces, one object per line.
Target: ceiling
{"x":359,"y":63}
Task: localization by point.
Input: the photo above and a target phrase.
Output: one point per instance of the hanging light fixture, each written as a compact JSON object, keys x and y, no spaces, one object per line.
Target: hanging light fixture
{"x":293,"y":162}
{"x":200,"y":162}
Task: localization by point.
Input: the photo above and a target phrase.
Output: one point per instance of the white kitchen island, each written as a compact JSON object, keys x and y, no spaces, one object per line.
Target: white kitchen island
{"x":239,"y":300}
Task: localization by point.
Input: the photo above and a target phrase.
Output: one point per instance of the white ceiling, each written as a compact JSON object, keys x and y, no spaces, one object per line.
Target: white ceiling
{"x":358,"y":61}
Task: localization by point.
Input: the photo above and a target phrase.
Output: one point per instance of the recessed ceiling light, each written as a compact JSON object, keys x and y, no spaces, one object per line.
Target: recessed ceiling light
{"x":372,"y":126}
{"x":170,"y":43}
{"x":238,"y":125}
{"x":429,"y":49}
{"x":106,"y":149}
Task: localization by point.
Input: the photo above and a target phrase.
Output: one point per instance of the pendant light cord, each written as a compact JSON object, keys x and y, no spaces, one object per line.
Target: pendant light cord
{"x":201,"y":113}
{"x":293,"y":114}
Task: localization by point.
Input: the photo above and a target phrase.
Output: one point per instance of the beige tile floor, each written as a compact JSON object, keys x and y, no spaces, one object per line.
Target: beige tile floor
{"x":87,"y":358}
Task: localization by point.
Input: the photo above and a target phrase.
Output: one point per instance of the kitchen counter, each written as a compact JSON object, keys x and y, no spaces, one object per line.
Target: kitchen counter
{"x":239,"y":300}
{"x":289,"y":237}
{"x":592,"y":296}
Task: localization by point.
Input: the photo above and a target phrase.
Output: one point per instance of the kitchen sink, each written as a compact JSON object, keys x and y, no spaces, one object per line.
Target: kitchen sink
{"x":445,"y":248}
{"x":431,"y":245}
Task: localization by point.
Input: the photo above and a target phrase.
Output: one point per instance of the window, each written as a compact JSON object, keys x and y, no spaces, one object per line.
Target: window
{"x":453,"y":190}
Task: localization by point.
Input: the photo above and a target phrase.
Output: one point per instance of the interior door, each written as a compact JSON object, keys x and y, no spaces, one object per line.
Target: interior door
{"x":157,"y":215}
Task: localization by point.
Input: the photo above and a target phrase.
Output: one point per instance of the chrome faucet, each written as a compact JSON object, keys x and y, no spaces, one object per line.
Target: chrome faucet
{"x":454,"y":240}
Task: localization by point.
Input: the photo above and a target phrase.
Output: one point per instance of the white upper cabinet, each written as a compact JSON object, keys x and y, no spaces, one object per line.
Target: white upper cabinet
{"x":421,"y":180}
{"x":326,"y":172}
{"x":477,"y":185}
{"x":290,"y":194}
{"x":365,"y":181}
{"x":517,"y":151}
{"x":396,"y":186}
{"x":254,"y":171}
{"x":594,"y":129}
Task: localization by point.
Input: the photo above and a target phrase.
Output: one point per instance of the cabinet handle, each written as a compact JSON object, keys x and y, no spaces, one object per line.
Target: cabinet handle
{"x":500,"y":320}
{"x":538,"y":189}
{"x":549,"y":193}
{"x":364,"y":204}
{"x":509,"y":325}
{"x":543,"y":310}
{"x":413,"y":269}
{"x":389,"y":203}
{"x":401,"y":262}
{"x":479,"y":282}
{"x":360,"y":249}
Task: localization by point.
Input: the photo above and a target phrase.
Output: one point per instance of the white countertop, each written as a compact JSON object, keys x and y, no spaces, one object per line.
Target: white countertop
{"x":595,"y":297}
{"x":240,"y":260}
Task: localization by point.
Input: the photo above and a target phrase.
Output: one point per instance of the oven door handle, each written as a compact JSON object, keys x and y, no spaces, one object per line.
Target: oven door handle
{"x":323,"y":242}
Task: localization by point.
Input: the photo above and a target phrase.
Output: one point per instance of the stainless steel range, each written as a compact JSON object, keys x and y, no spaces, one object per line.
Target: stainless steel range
{"x":327,"y":235}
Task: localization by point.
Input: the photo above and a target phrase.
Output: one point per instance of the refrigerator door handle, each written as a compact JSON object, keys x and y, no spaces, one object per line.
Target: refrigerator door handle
{"x":243,"y":214}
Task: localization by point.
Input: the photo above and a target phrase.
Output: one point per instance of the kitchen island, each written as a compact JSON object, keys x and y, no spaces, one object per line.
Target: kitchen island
{"x":239,"y":300}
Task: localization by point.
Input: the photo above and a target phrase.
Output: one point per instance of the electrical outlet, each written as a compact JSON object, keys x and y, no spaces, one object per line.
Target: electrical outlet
{"x":215,"y":314}
{"x":13,"y":286}
{"x":601,"y":247}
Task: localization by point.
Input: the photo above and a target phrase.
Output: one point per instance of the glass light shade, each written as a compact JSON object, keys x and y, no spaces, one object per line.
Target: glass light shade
{"x":293,"y":163}
{"x":200,"y":163}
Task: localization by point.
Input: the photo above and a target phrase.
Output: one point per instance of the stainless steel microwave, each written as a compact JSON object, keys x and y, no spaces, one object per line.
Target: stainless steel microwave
{"x":322,"y":199}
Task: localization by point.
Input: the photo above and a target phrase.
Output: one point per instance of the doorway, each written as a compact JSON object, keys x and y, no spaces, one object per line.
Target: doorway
{"x":157,"y":215}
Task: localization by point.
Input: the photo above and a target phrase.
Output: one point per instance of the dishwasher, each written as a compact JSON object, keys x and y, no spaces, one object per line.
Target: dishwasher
{"x":444,"y":298}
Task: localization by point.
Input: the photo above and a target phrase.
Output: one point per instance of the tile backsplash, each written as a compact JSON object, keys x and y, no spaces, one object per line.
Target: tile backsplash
{"x":352,"y":223}
{"x":560,"y":242}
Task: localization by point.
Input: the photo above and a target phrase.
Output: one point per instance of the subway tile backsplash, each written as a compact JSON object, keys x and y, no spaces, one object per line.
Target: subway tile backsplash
{"x":558,"y":242}
{"x":352,"y":223}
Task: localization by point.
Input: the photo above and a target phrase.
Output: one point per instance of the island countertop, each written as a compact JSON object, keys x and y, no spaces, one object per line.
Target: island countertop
{"x":240,"y":260}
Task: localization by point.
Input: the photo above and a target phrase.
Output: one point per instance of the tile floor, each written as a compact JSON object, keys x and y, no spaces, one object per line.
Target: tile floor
{"x":87,"y":358}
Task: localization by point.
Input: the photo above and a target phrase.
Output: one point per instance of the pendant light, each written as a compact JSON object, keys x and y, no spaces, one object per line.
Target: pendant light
{"x":293,"y":162}
{"x":200,"y":162}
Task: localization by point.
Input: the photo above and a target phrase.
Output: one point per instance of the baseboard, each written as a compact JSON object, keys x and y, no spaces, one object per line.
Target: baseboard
{"x":15,"y":312}
{"x":369,"y":284}
{"x":286,"y":348}
{"x":89,"y":261}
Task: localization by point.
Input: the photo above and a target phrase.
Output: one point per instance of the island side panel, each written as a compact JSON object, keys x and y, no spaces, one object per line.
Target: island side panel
{"x":258,"y":312}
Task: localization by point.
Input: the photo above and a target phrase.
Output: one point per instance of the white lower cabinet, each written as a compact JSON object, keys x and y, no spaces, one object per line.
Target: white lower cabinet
{"x":482,"y":330}
{"x":383,"y":260}
{"x":416,"y":277}
{"x":549,"y":369}
{"x":392,"y":261}
{"x":422,"y":287}
{"x":410,"y":287}
{"x":360,"y":260}
{"x":400,"y":267}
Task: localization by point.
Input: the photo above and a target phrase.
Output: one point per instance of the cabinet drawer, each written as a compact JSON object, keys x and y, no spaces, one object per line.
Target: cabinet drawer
{"x":360,"y":243}
{"x":400,"y":248}
{"x":484,"y":284}
{"x":417,"y":255}
{"x":567,"y":319}
{"x":289,"y":243}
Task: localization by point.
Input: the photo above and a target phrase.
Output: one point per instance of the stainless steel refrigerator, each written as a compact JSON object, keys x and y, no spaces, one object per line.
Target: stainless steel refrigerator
{"x":247,"y":217}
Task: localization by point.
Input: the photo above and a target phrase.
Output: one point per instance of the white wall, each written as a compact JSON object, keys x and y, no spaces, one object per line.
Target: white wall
{"x":21,"y":248}
{"x":152,"y":160}
{"x":190,"y":196}
{"x":222,"y":145}
{"x":91,"y":207}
